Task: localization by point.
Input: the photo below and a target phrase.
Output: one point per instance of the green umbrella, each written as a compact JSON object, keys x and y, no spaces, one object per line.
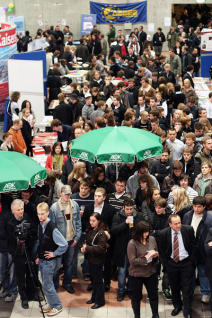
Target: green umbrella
{"x":18,"y":171}
{"x":116,"y":144}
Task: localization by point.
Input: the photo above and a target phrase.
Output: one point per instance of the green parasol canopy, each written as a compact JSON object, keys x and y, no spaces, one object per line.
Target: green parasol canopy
{"x":116,"y":144}
{"x":18,"y":171}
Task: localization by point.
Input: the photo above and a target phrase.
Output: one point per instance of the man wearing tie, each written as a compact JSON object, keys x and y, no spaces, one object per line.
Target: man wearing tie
{"x":177,"y":250}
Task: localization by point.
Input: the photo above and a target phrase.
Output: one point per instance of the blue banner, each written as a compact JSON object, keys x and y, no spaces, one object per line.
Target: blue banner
{"x":119,"y":13}
{"x":87,"y":23}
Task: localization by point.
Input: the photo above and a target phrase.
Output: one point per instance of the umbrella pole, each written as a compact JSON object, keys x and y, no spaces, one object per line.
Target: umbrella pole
{"x":117,"y":171}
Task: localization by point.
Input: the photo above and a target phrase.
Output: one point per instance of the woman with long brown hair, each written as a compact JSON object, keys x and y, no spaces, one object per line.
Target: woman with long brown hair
{"x":95,"y":251}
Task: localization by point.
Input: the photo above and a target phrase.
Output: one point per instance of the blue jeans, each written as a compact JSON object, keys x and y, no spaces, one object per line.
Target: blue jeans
{"x":68,"y":259}
{"x":9,"y":285}
{"x":203,"y":279}
{"x":122,"y":272}
{"x":48,"y":269}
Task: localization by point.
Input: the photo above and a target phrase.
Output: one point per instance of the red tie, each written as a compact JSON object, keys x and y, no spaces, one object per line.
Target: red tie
{"x":176,"y":248}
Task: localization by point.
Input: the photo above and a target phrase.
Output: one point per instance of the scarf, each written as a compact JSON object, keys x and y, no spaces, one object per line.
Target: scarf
{"x":57,"y":162}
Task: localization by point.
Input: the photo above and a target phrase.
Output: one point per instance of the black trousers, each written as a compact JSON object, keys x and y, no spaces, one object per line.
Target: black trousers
{"x":107,"y":274}
{"x":151,"y":284}
{"x":24,"y":280}
{"x":181,"y":279}
{"x":98,"y":293}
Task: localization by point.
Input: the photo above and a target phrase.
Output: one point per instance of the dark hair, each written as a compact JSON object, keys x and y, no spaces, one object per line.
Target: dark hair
{"x":101,"y":225}
{"x":7,"y":134}
{"x":189,"y":68}
{"x":15,"y":96}
{"x":128,"y":202}
{"x":58,"y":143}
{"x":140,"y":228}
{"x":121,"y":180}
{"x":208,"y":201}
{"x":90,"y":124}
{"x":198,"y":126}
{"x":23,"y":105}
{"x":56,"y":123}
{"x":184,"y":176}
{"x":199,"y":200}
{"x":97,"y":172}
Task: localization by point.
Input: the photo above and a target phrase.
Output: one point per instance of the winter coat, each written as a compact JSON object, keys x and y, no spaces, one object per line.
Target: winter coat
{"x":121,"y":233}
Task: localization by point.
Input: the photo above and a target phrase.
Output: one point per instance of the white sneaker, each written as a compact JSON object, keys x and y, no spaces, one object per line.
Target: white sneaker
{"x":46,"y":308}
{"x":54,"y":311}
{"x":205,"y":299}
{"x":10,"y":298}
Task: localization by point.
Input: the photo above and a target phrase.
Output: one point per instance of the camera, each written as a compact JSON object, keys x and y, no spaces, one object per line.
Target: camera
{"x":21,"y":230}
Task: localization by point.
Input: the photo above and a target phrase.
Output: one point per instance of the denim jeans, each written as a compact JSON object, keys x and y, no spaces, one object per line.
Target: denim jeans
{"x":48,"y":269}
{"x":10,"y":285}
{"x":122,"y":272}
{"x":203,"y":279}
{"x":68,"y":259}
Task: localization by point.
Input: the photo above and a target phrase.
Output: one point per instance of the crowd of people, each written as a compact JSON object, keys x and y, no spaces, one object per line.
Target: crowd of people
{"x":154,"y":218}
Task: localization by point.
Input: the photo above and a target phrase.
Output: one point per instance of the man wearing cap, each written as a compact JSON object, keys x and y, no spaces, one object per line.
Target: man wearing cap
{"x":65,"y":213}
{"x":88,"y":108}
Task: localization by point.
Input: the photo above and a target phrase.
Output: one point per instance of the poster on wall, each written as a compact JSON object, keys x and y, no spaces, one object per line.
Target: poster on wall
{"x":119,"y":13}
{"x":19,"y":22}
{"x":8,"y":47}
{"x":87,"y":23}
{"x":2,"y":15}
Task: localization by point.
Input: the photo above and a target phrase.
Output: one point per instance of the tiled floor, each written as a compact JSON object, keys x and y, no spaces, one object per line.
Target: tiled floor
{"x":75,"y":306}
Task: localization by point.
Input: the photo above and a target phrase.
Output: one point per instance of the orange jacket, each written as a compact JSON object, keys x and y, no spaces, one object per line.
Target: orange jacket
{"x":18,"y":140}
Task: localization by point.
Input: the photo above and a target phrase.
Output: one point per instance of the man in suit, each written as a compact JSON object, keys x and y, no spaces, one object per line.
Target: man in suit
{"x":107,"y":212}
{"x":177,"y":250}
{"x":188,"y":74}
{"x":168,"y":74}
{"x":201,"y":220}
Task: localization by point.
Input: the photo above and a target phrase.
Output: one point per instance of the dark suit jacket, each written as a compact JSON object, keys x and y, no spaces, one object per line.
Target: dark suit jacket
{"x":107,"y":215}
{"x":188,"y":76}
{"x":201,"y":234}
{"x":208,"y":250}
{"x":63,"y":113}
{"x":165,"y":242}
{"x":169,"y":77}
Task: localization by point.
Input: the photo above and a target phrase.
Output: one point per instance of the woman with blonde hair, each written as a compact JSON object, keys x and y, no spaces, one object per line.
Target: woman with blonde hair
{"x":188,"y":90}
{"x":78,"y":173}
{"x":182,"y":203}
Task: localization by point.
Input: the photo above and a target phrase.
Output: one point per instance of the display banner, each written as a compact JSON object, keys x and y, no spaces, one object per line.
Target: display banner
{"x":87,"y":23}
{"x":8,"y":47}
{"x":119,"y":13}
{"x":19,"y":22}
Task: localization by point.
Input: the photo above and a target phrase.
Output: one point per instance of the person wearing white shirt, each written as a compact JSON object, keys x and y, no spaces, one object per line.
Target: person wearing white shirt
{"x":208,"y":106}
{"x":177,"y":144}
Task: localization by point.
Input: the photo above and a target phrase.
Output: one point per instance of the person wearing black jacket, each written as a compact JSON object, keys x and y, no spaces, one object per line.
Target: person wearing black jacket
{"x":118,"y":109}
{"x":9,"y":290}
{"x":107,"y":212}
{"x":27,"y":134}
{"x":122,"y":226}
{"x":158,"y":39}
{"x":188,"y":164}
{"x":16,"y":244}
{"x":201,"y":220}
{"x":63,"y":111}
{"x":188,"y":74}
{"x":53,"y":83}
{"x":94,"y":47}
{"x":179,"y":263}
{"x":169,"y":75}
{"x":208,"y":251}
{"x":160,"y":221}
{"x":162,"y":167}
{"x":178,"y":97}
